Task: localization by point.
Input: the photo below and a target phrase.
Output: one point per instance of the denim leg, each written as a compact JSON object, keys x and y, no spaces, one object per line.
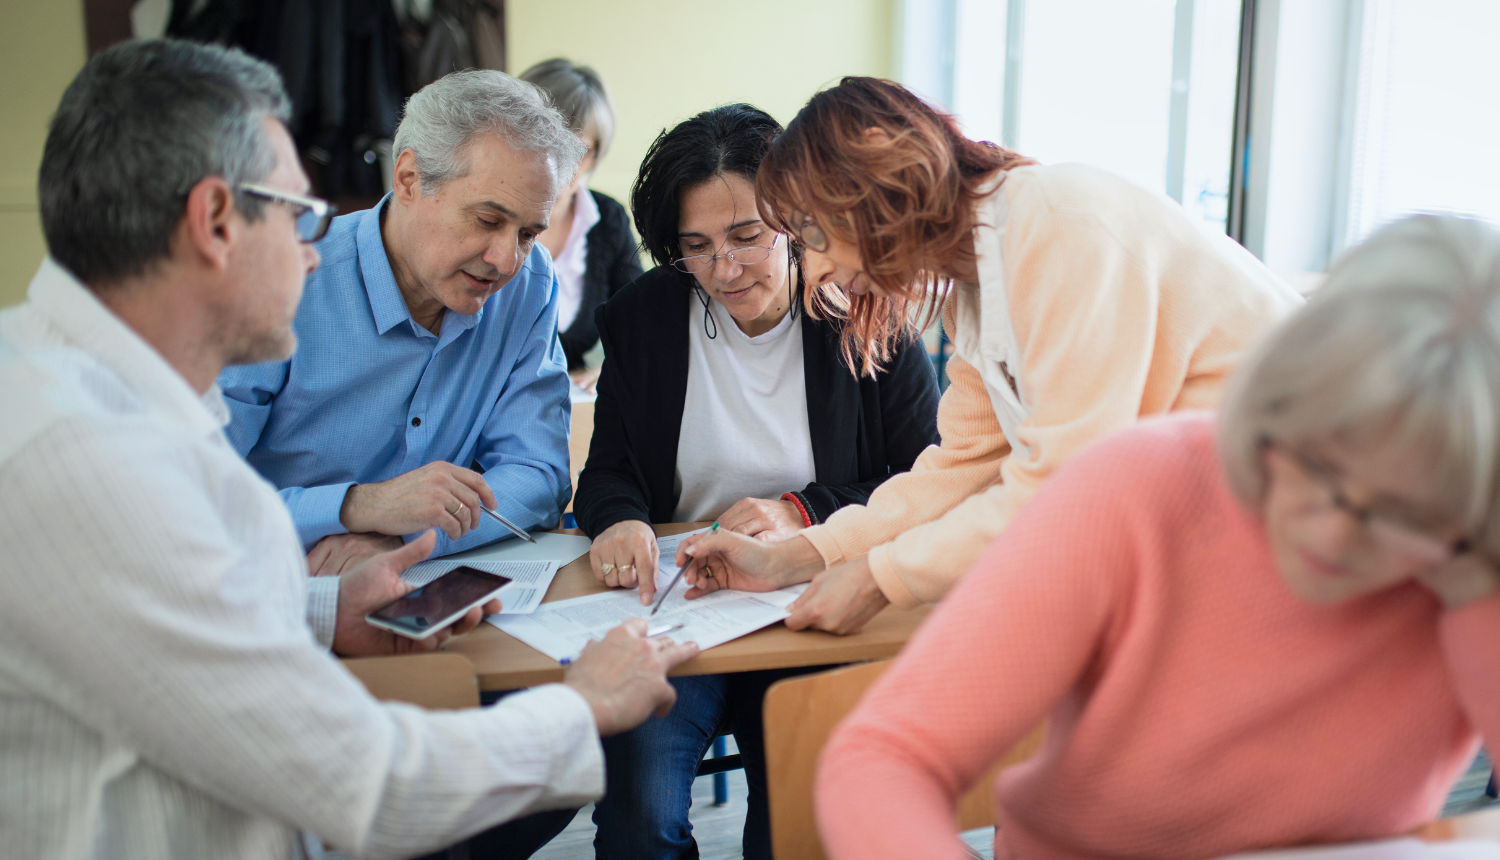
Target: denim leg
{"x":747,"y":691}
{"x":513,"y":840}
{"x":649,"y":774}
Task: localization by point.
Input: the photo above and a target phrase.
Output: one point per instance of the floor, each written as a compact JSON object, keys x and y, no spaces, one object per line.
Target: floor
{"x":717,"y":828}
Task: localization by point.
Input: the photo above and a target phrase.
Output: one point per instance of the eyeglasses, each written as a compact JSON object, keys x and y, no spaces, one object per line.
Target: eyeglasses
{"x":810,"y":235}
{"x":1387,"y":528}
{"x":747,"y":256}
{"x":313,"y":214}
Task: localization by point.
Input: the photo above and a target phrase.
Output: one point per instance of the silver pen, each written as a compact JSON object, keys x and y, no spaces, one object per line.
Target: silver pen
{"x":662,"y":595}
{"x":514,"y":529}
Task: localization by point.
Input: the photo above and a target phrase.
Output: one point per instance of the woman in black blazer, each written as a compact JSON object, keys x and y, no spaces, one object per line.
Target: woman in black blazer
{"x":721,"y":397}
{"x":592,"y":248}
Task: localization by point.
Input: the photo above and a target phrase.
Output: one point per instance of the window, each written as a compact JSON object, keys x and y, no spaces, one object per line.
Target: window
{"x":1425,"y":128}
{"x":1143,"y":88}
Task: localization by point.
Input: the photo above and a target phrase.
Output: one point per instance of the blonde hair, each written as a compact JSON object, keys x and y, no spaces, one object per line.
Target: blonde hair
{"x":1399,"y":350}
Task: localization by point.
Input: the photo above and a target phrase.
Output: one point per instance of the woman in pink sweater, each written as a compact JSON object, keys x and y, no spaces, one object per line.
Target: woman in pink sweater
{"x":1076,"y":301}
{"x":1288,"y":632}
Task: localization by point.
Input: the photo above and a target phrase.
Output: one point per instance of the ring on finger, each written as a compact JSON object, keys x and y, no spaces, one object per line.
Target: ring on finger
{"x":606,"y":568}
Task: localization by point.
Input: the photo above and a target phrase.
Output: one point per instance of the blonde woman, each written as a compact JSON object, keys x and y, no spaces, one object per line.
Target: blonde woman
{"x":1277,"y":630}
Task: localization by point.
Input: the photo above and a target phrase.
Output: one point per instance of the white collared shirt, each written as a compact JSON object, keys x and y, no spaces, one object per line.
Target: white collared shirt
{"x":571,"y":264}
{"x":161,"y":692}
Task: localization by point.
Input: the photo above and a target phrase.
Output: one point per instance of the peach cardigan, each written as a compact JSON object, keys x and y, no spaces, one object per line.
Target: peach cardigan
{"x":1103,"y":302}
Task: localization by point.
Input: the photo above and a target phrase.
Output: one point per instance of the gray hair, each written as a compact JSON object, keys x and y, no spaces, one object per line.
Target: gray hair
{"x":444,"y":116}
{"x":141,"y":125}
{"x":1399,"y":350}
{"x":579,"y":93}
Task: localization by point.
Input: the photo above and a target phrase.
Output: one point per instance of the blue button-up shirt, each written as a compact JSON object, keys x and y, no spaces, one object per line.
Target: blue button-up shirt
{"x":371,"y":394}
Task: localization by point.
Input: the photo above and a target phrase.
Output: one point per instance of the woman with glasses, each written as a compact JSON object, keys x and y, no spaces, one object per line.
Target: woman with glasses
{"x":722,"y":399}
{"x":593,"y":253}
{"x":1279,"y":627}
{"x":1076,"y":302}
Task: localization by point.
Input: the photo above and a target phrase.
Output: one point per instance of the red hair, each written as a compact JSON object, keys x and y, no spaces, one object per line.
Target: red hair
{"x":906,"y":199}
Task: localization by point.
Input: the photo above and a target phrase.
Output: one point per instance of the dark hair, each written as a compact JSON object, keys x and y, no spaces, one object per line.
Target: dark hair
{"x":729,"y":139}
{"x":906,"y":200}
{"x":141,"y":125}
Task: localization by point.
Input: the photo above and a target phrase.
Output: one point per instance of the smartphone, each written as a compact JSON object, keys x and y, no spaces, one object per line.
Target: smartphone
{"x":437,"y":604}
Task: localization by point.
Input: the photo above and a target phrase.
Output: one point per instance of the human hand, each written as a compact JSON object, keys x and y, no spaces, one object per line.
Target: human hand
{"x":623,"y":676}
{"x":1462,"y":580}
{"x":762,"y":519}
{"x":438,"y":495}
{"x":721,"y":560}
{"x":336,"y":554}
{"x":625,"y":553}
{"x":839,"y":600}
{"x":377,"y":581}
{"x":587,"y":379}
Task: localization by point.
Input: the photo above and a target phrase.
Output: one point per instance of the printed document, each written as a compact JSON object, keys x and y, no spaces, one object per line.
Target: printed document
{"x":529,"y":579}
{"x":560,"y":629}
{"x":1386,"y":849}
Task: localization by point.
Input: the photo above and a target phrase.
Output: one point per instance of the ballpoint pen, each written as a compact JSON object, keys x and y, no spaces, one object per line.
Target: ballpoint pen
{"x":514,"y":529}
{"x":662,"y":597}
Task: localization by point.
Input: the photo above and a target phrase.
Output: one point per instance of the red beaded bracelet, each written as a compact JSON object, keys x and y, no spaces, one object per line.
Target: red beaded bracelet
{"x":797,"y":503}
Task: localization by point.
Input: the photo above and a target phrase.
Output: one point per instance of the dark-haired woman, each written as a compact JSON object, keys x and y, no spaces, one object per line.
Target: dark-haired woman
{"x":721,"y":399}
{"x":1076,"y":301}
{"x":593,"y":253}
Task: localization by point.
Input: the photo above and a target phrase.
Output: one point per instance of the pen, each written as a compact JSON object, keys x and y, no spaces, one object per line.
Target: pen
{"x":650,"y":634}
{"x":514,"y":529}
{"x":662,"y":598}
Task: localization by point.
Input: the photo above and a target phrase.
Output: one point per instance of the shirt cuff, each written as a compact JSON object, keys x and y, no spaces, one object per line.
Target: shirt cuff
{"x":826,"y":544}
{"x":566,"y":730}
{"x":323,"y":607}
{"x":883,"y":569}
{"x":316,"y":512}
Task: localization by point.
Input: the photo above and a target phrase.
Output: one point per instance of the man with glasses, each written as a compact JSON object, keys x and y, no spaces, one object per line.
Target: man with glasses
{"x":165,"y":684}
{"x":430,"y":382}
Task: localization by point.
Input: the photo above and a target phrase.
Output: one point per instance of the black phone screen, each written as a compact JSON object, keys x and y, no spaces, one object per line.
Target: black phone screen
{"x":438,"y":601}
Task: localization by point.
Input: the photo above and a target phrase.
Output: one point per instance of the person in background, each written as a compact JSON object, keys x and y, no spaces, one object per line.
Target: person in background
{"x":592,"y":249}
{"x":722,"y":398}
{"x":429,"y":382}
{"x":166,"y":688}
{"x":1280,"y":629}
{"x":1076,"y":301}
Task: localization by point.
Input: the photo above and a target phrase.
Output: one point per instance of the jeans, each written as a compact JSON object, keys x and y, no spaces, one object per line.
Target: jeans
{"x":649,"y":771}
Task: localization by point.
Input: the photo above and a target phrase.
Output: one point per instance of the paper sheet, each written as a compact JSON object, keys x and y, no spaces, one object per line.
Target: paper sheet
{"x":560,"y":629}
{"x":523,"y":595}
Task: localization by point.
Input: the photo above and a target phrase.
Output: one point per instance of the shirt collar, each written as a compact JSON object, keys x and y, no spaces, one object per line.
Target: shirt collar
{"x":78,"y":314}
{"x":585,"y":216}
{"x":386,"y":300}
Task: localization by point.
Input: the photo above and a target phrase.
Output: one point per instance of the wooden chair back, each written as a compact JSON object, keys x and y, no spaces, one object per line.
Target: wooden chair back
{"x":581,"y":434}
{"x":800,"y":714}
{"x":437,"y":681}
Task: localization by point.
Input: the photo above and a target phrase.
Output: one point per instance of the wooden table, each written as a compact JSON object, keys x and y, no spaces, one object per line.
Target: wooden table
{"x":503,"y":662}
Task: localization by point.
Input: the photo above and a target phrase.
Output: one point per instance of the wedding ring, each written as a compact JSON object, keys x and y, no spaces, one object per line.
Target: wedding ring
{"x":606,"y":568}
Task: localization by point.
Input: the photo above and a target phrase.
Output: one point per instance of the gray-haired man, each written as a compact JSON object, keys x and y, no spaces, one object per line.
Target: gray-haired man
{"x":429,"y":341}
{"x":165,"y":685}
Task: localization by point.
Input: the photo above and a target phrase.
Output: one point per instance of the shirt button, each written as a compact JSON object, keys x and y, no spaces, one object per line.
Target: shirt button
{"x":416,"y":422}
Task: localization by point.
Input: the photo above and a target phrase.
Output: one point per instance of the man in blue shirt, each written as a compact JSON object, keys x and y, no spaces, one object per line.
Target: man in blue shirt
{"x":429,"y":379}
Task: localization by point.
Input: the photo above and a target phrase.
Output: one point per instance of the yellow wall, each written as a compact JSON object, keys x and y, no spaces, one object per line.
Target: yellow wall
{"x":666,"y":60}
{"x":41,"y":48}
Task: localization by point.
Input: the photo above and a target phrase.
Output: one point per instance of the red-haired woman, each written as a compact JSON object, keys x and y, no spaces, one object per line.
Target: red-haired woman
{"x":1077,"y":303}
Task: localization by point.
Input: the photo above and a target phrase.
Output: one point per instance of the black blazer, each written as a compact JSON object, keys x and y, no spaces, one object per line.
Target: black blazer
{"x":610,"y":262}
{"x":863,"y":430}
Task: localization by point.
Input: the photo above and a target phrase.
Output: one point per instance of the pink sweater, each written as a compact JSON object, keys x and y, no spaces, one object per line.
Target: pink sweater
{"x":1196,"y":706}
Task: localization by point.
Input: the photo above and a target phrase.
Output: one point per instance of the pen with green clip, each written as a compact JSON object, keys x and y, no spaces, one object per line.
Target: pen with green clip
{"x":662,"y":597}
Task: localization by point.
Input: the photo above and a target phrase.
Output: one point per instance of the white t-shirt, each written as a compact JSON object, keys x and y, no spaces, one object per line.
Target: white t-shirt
{"x":744,"y":421}
{"x":573,"y":260}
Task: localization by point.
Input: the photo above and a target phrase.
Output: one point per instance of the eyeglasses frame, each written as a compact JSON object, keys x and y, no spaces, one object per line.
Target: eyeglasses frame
{"x":317,"y":205}
{"x":729,"y":255}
